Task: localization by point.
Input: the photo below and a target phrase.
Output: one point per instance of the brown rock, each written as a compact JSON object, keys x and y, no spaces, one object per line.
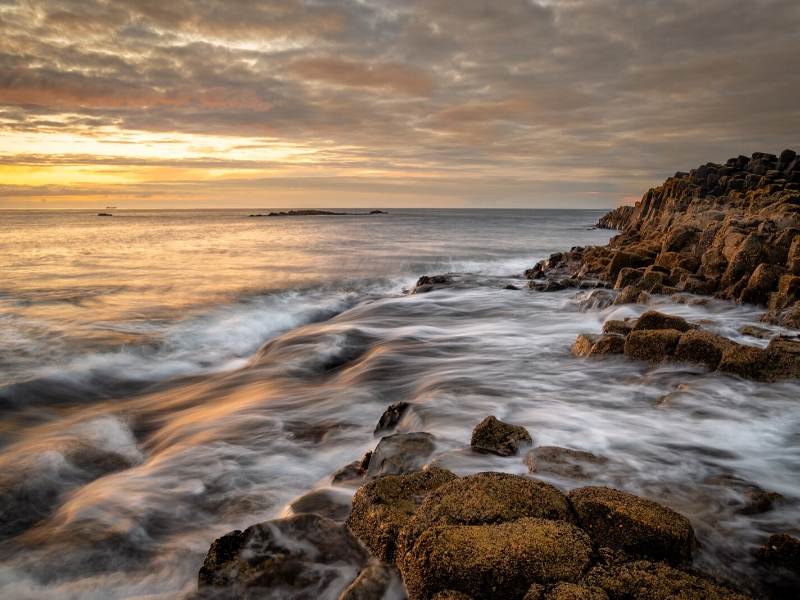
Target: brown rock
{"x":400,"y":453}
{"x":703,"y":347}
{"x":639,"y":527}
{"x":583,"y":344}
{"x":628,"y":276}
{"x":652,"y":345}
{"x":653,"y":319}
{"x":629,"y":295}
{"x":596,"y":345}
{"x":496,"y":437}
{"x":391,"y":417}
{"x":618,"y":327}
{"x":371,"y":584}
{"x":763,"y":280}
{"x":781,"y":550}
{"x":565,"y":462}
{"x":575,"y":591}
{"x":621,"y":259}
{"x":382,"y":507}
{"x":487,"y":560}
{"x":451,"y":595}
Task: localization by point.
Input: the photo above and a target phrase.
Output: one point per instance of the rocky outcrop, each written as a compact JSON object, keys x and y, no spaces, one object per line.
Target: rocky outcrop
{"x":496,"y":437}
{"x":725,"y":229}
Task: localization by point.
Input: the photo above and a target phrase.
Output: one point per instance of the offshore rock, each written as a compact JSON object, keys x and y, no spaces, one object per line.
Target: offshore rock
{"x":400,"y":453}
{"x":496,"y":437}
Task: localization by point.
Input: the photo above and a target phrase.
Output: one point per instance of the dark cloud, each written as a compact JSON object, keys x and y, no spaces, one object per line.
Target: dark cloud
{"x":610,"y":95}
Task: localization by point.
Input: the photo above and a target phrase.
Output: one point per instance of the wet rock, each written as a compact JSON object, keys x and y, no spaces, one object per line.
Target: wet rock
{"x":353,"y":473}
{"x":618,"y":327}
{"x":482,"y":560}
{"x":750,"y":499}
{"x":535,"y":592}
{"x":392,"y":416}
{"x":428,"y":283}
{"x":628,"y":276}
{"x":745,"y":361}
{"x":598,"y":345}
{"x":451,"y":595}
{"x":400,"y":453}
{"x":762,"y":281}
{"x":645,"y":580}
{"x":653,"y":319}
{"x":575,"y":591}
{"x":781,"y":550}
{"x":482,"y":499}
{"x":621,"y":260}
{"x":756,"y":331}
{"x":637,"y":526}
{"x":703,"y":347}
{"x":371,"y":584}
{"x":583,"y":344}
{"x":382,"y":507}
{"x":496,"y":437}
{"x":511,"y":286}
{"x":629,"y":295}
{"x":328,"y":503}
{"x":564,"y":462}
{"x":299,"y":557}
{"x":597,"y":299}
{"x":652,"y":345}
{"x":779,"y":360}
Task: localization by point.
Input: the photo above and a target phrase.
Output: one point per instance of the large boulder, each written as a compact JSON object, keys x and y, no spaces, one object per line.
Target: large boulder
{"x":485,"y":498}
{"x":703,"y":347}
{"x":653,"y":319}
{"x":637,"y":526}
{"x":490,"y":562}
{"x":382,"y":508}
{"x":400,"y":453}
{"x":644,"y":580}
{"x":496,"y":437}
{"x":303,"y":556}
{"x":654,"y":345}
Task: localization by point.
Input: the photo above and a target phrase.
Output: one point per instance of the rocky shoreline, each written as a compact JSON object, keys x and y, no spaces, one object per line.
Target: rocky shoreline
{"x":729,"y":231}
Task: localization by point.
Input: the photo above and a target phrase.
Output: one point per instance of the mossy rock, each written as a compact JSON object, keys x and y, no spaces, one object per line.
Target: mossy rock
{"x":382,"y":507}
{"x":451,"y":595}
{"x":490,"y":562}
{"x":703,"y":347}
{"x":618,"y":326}
{"x":637,"y":526}
{"x":371,"y":584}
{"x":485,"y":498}
{"x":644,"y":580}
{"x":496,"y":437}
{"x":575,"y":591}
{"x":652,"y":345}
{"x":653,"y":319}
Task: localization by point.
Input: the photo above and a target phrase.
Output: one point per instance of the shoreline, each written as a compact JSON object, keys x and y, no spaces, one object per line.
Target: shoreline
{"x":725,"y":230}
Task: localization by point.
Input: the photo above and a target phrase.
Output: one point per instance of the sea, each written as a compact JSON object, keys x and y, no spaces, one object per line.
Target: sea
{"x":167,"y":376}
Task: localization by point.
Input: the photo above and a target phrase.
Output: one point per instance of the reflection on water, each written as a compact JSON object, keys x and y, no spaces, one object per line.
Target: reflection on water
{"x":213,"y":409}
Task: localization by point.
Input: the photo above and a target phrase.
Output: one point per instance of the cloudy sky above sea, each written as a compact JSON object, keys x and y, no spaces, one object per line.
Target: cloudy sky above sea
{"x":290,"y":103}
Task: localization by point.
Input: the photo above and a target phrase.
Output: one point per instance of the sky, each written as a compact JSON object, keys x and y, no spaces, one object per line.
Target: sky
{"x":385,"y":103}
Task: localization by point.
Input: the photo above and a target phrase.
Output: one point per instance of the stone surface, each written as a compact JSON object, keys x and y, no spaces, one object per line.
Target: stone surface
{"x":653,"y":319}
{"x":575,"y":591}
{"x":496,"y":437}
{"x":703,"y":347}
{"x":635,"y":525}
{"x":564,"y":462}
{"x":400,"y":453}
{"x":372,"y":583}
{"x":325,"y":502}
{"x":654,"y":345}
{"x":382,"y":507}
{"x":391,"y":417}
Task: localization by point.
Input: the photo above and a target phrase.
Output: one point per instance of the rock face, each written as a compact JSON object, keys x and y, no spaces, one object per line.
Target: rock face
{"x":726,"y":229}
{"x":637,"y":526}
{"x":493,"y":436}
{"x":299,"y":557}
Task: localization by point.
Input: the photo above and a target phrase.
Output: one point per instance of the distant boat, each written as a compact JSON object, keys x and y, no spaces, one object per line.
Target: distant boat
{"x":104,"y":215}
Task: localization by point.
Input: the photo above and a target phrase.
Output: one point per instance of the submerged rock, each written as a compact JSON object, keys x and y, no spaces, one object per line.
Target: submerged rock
{"x":382,"y":507}
{"x":781,"y":550}
{"x":332,"y":504}
{"x":564,"y":462}
{"x":372,"y":583}
{"x":428,"y":283}
{"x":496,"y":437}
{"x":639,"y":527}
{"x":400,"y":453}
{"x":295,"y":558}
{"x":493,"y":561}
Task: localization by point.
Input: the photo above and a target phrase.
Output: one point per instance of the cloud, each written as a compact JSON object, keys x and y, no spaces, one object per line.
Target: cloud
{"x":612,"y":95}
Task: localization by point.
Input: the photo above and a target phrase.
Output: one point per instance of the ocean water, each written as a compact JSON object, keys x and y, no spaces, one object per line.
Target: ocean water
{"x":168,"y":376}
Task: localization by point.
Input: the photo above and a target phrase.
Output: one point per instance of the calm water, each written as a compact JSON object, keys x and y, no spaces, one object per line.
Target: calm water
{"x":168,"y":376}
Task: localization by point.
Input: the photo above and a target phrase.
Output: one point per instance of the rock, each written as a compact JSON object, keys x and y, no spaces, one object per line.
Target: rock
{"x":428,"y":283}
{"x":653,"y":319}
{"x":535,"y":592}
{"x":756,"y":331}
{"x":781,"y":550}
{"x":496,"y":437}
{"x":482,"y":499}
{"x":382,"y":507}
{"x":621,"y":260}
{"x":749,"y":498}
{"x":353,"y":473}
{"x":629,"y":295}
{"x":628,"y":276}
{"x":644,"y":580}
{"x":400,"y":453}
{"x":511,"y":286}
{"x":639,"y":527}
{"x":451,"y":595}
{"x":652,"y":345}
{"x":371,"y":584}
{"x":779,"y":360}
{"x":392,"y":416}
{"x":326,"y":503}
{"x":703,"y":347}
{"x":595,"y":345}
{"x":583,"y":344}
{"x":575,"y":591}
{"x":487,"y":560}
{"x":762,"y":281}
{"x":564,"y":462}
{"x":303,"y":556}
{"x":618,"y":327}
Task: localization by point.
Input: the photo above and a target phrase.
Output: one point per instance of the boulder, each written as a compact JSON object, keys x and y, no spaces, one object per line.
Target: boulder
{"x":618,"y":327}
{"x":428,"y":283}
{"x":583,"y":344}
{"x":352,"y":473}
{"x":644,"y":580}
{"x":400,"y":453}
{"x":762,"y":281}
{"x":629,"y":295}
{"x":597,"y":345}
{"x":496,"y":437}
{"x":382,"y":508}
{"x":637,"y":526}
{"x":621,"y":260}
{"x":482,"y":499}
{"x":494,"y":561}
{"x":575,"y":591}
{"x":628,"y":276}
{"x":564,"y":462}
{"x":329,"y":503}
{"x":779,"y":360}
{"x":653,"y":319}
{"x":391,"y":417}
{"x":652,"y":345}
{"x":303,"y":556}
{"x":372,"y":583}
{"x":698,"y":346}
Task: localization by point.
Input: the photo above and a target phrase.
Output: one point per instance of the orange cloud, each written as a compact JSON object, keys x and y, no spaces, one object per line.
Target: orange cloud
{"x":400,"y":78}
